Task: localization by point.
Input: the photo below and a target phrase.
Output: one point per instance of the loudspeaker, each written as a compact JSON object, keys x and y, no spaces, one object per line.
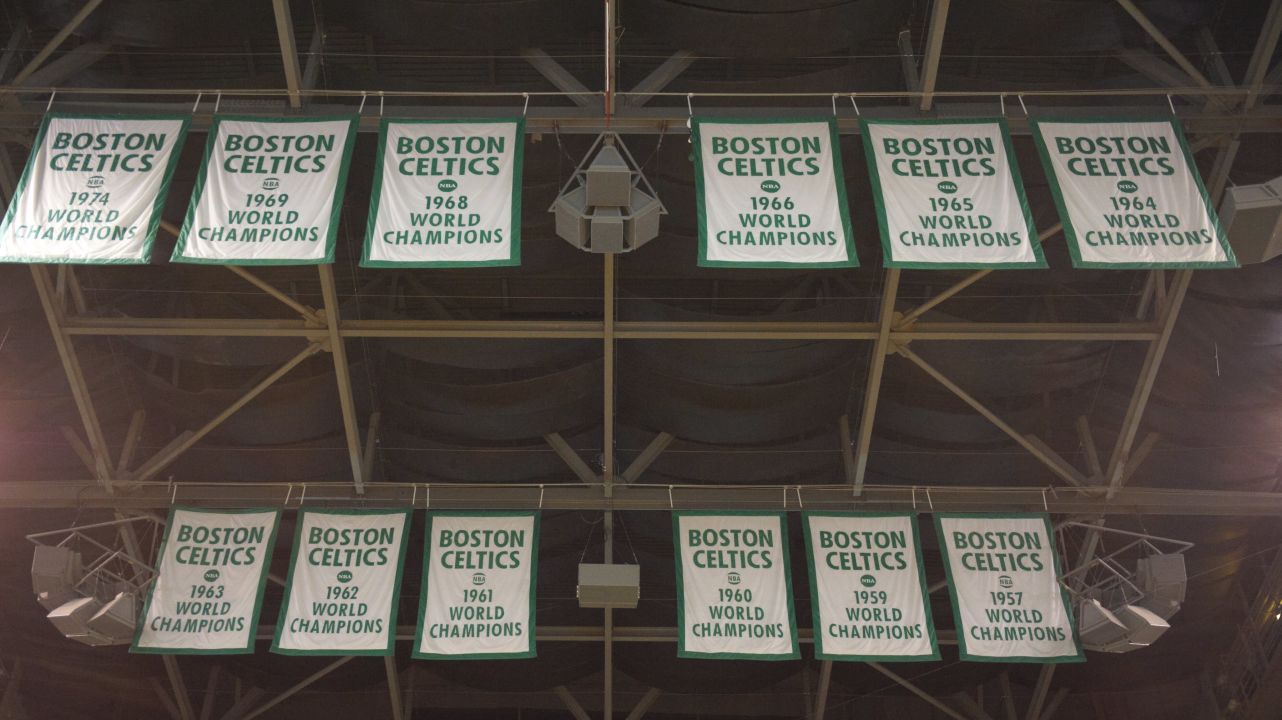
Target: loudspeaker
{"x":609,"y":586}
{"x":1164,"y":579}
{"x":609,"y":179}
{"x":607,"y":230}
{"x":1252,"y":219}
{"x":1144,"y":627}
{"x":54,"y":569}
{"x":1098,"y":627}
{"x":117,"y":619}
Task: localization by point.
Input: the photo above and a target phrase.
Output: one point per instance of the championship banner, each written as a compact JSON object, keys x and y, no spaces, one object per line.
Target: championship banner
{"x":771,"y":194}
{"x":93,"y":189}
{"x":209,"y":591}
{"x":733,"y":585}
{"x":949,"y":195}
{"x":269,"y":192}
{"x":480,"y":572}
{"x":344,"y":583}
{"x":446,"y":194}
{"x":868,"y":592}
{"x":1003,"y":574}
{"x":1130,"y":195}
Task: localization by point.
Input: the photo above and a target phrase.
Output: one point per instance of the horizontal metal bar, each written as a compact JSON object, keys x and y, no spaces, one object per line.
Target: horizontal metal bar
{"x":589,"y":633}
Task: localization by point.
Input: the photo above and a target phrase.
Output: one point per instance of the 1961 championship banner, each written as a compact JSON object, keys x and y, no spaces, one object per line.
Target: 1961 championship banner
{"x":344,"y":583}
{"x":949,"y":195}
{"x":734,"y":587}
{"x":1003,"y":573}
{"x":209,"y":592}
{"x":93,"y":189}
{"x":446,"y":194}
{"x":771,"y":194}
{"x":1130,"y":195}
{"x":479,"y":578}
{"x":269,"y":192}
{"x":867,"y":587}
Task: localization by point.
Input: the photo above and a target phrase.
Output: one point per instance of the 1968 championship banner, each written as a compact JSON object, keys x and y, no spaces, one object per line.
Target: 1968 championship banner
{"x":771,"y":194}
{"x":93,"y":189}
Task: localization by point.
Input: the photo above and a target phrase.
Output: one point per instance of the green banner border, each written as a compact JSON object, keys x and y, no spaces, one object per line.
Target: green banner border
{"x":264,"y":571}
{"x":376,"y":193}
{"x":785,"y":541}
{"x":534,"y":583}
{"x":952,"y":590}
{"x":1070,"y":232}
{"x":883,"y":224}
{"x":814,"y":589}
{"x":394,"y":608}
{"x":843,"y":204}
{"x":336,"y":204}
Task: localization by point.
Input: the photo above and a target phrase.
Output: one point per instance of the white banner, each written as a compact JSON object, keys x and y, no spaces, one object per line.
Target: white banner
{"x":479,"y":578}
{"x":344,"y":583}
{"x":1129,"y":194}
{"x":771,"y":194}
{"x":734,"y":586}
{"x":93,"y":189}
{"x":949,"y":195}
{"x":1008,"y":603}
{"x":209,"y":591}
{"x":868,"y":592}
{"x":269,"y":192}
{"x":446,"y":194}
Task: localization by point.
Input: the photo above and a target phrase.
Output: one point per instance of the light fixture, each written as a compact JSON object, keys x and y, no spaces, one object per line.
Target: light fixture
{"x":607,"y":206}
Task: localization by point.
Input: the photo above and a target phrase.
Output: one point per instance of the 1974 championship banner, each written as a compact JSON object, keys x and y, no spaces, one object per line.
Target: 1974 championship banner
{"x":771,"y":194}
{"x":93,"y":189}
{"x":209,"y":592}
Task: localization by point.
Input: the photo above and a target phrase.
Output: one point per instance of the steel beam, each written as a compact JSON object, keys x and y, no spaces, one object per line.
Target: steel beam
{"x":347,"y":403}
{"x":20,"y":32}
{"x":571,"y":704}
{"x":75,"y":61}
{"x":297,"y":688}
{"x":394,"y":687}
{"x":648,"y":455}
{"x":560,"y":78}
{"x":660,"y":78}
{"x":934,"y":45}
{"x":908,"y":61}
{"x":821,"y":695}
{"x":179,"y":687}
{"x":644,"y":704}
{"x":1039,"y":692}
{"x":934,"y":702}
{"x":56,"y":41}
{"x":1257,"y":69}
{"x":876,"y":364}
{"x":288,"y":51}
{"x":1189,"y":68}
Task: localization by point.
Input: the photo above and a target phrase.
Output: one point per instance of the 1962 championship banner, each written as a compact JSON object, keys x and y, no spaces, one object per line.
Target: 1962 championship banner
{"x":949,"y":195}
{"x":344,"y":583}
{"x":867,"y":587}
{"x":446,"y":194}
{"x":1130,"y":195}
{"x":209,"y":592}
{"x":771,"y":194}
{"x":93,"y":189}
{"x":734,"y":587}
{"x":1003,"y":573}
{"x":269,"y":192}
{"x":479,"y":578}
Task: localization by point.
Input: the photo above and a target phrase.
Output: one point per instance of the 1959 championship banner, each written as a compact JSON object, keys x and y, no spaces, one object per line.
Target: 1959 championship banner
{"x":93,"y":189}
{"x":771,"y":194}
{"x":209,"y":591}
{"x":344,"y":583}
{"x":1003,"y":573}
{"x":446,"y":194}
{"x":479,"y":578}
{"x":1130,"y":195}
{"x":949,"y":195}
{"x":269,"y":192}
{"x":867,"y":587}
{"x":734,"y":587}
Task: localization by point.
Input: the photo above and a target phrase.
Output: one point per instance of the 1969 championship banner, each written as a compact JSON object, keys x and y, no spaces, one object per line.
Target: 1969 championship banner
{"x":867,"y":587}
{"x":269,"y":192}
{"x":1003,"y":573}
{"x":446,"y":194}
{"x":344,"y":583}
{"x":1130,"y":195}
{"x":479,"y":577}
{"x":734,"y":587}
{"x":949,"y":195}
{"x":93,"y":189}
{"x":771,"y":194}
{"x":209,"y":592}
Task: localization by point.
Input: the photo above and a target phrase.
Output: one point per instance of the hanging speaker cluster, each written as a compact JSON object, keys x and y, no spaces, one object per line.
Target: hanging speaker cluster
{"x":1134,"y":614}
{"x":608,"y":206}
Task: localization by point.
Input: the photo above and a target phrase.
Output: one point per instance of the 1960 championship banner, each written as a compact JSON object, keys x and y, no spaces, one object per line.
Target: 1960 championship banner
{"x":446,"y":194}
{"x":771,"y":194}
{"x":733,"y":585}
{"x":344,"y":583}
{"x":1130,"y":195}
{"x":93,"y":189}
{"x":479,"y":576}
{"x":949,"y":195}
{"x":1003,"y":573}
{"x":269,"y":192}
{"x":209,"y":592}
{"x":867,"y":587}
